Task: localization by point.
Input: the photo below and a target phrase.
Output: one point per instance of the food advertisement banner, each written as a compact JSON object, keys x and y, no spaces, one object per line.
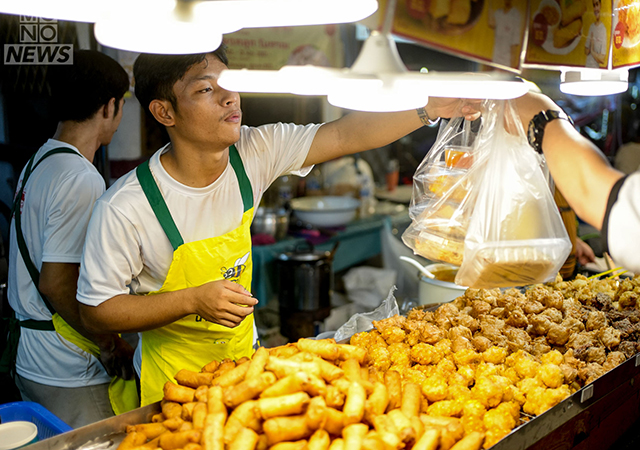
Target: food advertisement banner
{"x":626,"y":33}
{"x":272,"y":48}
{"x":488,"y":31}
{"x":569,"y":33}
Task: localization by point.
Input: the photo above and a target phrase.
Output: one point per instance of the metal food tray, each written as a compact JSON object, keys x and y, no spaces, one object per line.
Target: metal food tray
{"x":107,"y":434}
{"x":103,"y":435}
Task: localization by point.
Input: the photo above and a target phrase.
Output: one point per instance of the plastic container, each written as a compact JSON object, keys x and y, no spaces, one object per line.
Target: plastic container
{"x":48,"y":424}
{"x":17,"y":434}
{"x":512,"y":263}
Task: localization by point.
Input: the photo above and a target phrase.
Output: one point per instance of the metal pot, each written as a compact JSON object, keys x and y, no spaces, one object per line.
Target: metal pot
{"x":305,"y":279}
{"x":271,"y":221}
{"x":437,"y":291}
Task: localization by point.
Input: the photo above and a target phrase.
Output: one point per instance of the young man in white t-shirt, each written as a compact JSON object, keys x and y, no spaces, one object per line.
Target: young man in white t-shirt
{"x":207,"y":180}
{"x":595,"y":46}
{"x":47,"y":235}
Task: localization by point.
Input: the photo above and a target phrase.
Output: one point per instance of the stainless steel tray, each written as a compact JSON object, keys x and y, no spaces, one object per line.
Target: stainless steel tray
{"x":104,"y":435}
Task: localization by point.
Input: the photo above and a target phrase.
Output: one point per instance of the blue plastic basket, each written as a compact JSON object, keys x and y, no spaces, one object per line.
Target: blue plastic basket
{"x":48,"y":424}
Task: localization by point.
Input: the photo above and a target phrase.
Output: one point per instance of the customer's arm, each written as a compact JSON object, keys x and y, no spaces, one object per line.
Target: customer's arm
{"x":580,"y":170}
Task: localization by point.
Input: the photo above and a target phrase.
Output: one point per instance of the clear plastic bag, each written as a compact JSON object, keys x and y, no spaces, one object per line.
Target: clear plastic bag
{"x":443,"y":193}
{"x":516,"y":236}
{"x":481,"y":201}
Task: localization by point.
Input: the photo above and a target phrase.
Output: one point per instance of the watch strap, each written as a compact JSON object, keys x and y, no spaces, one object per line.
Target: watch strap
{"x":539,"y":122}
{"x":424,"y":117}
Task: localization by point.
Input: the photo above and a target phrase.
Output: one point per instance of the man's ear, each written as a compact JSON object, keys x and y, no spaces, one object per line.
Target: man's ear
{"x":163,"y":112}
{"x":108,"y":110}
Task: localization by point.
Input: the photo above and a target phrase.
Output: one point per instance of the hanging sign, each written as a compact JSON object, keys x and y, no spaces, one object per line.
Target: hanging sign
{"x":272,"y":48}
{"x":626,"y":33}
{"x":569,"y":33}
{"x":488,"y":31}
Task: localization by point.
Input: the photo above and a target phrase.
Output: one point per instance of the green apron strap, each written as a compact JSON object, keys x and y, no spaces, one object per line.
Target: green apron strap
{"x":159,"y":206}
{"x":17,"y":213}
{"x":243,"y":179}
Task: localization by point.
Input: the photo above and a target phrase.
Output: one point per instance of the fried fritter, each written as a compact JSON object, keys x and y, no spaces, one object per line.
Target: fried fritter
{"x":614,"y":359}
{"x":551,"y":375}
{"x":596,"y":320}
{"x":609,"y":336}
{"x":481,"y":343}
{"x":558,"y":335}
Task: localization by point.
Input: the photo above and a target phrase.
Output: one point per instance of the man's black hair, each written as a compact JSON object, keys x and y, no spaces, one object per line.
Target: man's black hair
{"x":155,"y":74}
{"x":80,"y":89}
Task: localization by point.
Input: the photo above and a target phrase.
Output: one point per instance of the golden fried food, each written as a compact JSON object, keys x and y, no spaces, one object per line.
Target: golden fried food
{"x":562,"y":36}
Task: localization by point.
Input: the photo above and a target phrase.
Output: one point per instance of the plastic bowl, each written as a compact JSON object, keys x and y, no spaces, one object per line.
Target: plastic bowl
{"x":17,"y":434}
{"x":326,"y":211}
{"x":433,"y":291}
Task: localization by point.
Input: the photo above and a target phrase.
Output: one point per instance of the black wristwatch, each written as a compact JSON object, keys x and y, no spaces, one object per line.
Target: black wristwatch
{"x":539,"y":122}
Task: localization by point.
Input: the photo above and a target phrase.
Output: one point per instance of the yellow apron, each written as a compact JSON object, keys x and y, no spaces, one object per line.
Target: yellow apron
{"x":123,"y":394}
{"x":192,"y":342}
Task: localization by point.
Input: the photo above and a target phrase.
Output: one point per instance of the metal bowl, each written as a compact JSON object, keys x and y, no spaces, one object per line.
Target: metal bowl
{"x":325,"y":211}
{"x":271,"y":221}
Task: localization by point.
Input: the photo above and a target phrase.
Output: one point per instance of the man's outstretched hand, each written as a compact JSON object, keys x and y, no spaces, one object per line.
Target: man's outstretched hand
{"x":453,"y":107}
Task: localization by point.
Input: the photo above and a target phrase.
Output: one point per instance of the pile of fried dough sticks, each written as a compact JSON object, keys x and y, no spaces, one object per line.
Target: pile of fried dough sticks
{"x":312,"y":394}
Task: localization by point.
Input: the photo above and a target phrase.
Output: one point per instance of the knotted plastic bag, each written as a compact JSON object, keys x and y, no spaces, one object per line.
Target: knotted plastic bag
{"x":444,"y":193}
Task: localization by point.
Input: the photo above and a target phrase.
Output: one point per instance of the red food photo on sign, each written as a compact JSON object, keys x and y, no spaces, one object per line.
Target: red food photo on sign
{"x":418,"y":9}
{"x":539,"y":29}
{"x":618,"y":35}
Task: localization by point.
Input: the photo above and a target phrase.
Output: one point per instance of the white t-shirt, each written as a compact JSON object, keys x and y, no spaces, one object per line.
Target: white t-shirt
{"x":623,"y":225}
{"x":507,"y":34}
{"x":126,"y":250}
{"x":56,"y":209}
{"x":598,"y":36}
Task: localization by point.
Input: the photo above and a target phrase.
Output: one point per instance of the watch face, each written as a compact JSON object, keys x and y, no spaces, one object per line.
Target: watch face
{"x":531,"y":133}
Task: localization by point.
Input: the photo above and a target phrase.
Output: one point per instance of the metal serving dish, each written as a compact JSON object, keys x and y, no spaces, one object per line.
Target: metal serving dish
{"x":103,"y":435}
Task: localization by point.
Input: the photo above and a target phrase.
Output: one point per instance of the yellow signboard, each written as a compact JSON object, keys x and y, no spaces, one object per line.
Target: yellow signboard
{"x":488,"y":31}
{"x":272,"y":48}
{"x":569,"y":33}
{"x":626,"y":33}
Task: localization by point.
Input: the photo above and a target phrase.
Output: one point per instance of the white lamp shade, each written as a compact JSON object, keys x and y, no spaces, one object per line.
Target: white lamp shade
{"x":135,"y":38}
{"x":496,"y":86}
{"x":377,"y":99}
{"x":279,"y":13}
{"x":594,"y":81}
{"x":74,"y":10}
{"x":156,"y":26}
